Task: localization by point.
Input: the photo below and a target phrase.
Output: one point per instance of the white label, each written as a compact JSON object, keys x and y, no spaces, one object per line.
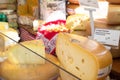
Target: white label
{"x":89,"y":3}
{"x":104,"y":71}
{"x":108,"y":37}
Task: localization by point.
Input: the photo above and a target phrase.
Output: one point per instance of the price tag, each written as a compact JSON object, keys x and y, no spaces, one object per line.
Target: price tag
{"x":89,"y":3}
{"x":108,"y":37}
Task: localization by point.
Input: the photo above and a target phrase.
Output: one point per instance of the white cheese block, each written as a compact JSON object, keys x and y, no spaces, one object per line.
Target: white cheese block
{"x":113,"y":16}
{"x":76,"y":59}
{"x":7,"y":38}
{"x":31,"y":53}
{"x":71,"y":51}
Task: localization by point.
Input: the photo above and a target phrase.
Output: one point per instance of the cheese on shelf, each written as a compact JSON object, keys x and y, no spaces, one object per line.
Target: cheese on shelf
{"x":7,"y":38}
{"x":77,"y":22}
{"x":113,"y":16}
{"x":3,"y":25}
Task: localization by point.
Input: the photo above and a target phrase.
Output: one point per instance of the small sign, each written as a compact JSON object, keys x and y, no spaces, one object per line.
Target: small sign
{"x":108,"y":37}
{"x":89,"y":3}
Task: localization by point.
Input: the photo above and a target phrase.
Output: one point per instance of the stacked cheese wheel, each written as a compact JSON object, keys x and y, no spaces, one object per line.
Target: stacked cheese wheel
{"x":85,"y":58}
{"x":24,"y":64}
{"x":114,"y":1}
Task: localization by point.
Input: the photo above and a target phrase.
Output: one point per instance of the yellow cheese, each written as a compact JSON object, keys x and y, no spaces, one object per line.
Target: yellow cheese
{"x":77,"y":22}
{"x":18,"y":54}
{"x":113,"y":16}
{"x":3,"y":25}
{"x":76,"y":59}
{"x":22,"y":9}
{"x":76,"y":53}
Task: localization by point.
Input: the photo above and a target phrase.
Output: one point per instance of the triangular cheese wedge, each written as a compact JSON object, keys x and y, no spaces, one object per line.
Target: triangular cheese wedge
{"x":76,"y":59}
{"x":27,"y":53}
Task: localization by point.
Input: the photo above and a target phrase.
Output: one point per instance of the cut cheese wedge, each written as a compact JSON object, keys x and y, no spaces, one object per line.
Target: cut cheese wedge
{"x":28,"y":53}
{"x":7,"y":38}
{"x":76,"y":59}
{"x":73,"y":48}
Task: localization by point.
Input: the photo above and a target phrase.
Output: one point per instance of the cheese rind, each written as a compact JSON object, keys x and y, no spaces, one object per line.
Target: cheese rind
{"x":76,"y":59}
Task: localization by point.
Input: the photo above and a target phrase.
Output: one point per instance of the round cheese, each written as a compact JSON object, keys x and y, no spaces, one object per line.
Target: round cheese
{"x":45,"y":71}
{"x":103,"y":56}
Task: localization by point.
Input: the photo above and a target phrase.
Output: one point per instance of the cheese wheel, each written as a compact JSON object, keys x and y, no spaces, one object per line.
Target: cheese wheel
{"x":68,"y":46}
{"x":47,"y":71}
{"x":114,"y":1}
{"x":74,"y":1}
{"x":113,"y":16}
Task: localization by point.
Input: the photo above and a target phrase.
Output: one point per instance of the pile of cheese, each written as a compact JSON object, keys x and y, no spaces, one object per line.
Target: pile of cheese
{"x":25,"y":61}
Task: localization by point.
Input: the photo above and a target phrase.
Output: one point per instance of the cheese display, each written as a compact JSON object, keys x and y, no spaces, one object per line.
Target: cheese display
{"x":113,"y":16}
{"x":6,"y":36}
{"x":77,"y":22}
{"x":76,"y":53}
{"x":23,"y":64}
{"x":114,"y":1}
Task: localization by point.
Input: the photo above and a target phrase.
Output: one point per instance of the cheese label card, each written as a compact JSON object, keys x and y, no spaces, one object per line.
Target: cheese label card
{"x":108,"y":37}
{"x":89,"y":3}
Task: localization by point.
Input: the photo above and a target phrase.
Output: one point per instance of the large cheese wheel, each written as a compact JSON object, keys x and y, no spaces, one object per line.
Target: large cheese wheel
{"x":47,"y":71}
{"x":114,"y":1}
{"x":71,"y":51}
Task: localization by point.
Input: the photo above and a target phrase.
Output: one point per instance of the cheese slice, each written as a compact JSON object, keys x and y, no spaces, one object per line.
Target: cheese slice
{"x":29,"y":52}
{"x":76,"y":59}
{"x":69,"y":50}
